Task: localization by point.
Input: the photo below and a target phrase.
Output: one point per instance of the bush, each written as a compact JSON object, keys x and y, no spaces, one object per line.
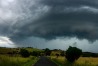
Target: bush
{"x":57,"y":55}
{"x":62,"y":53}
{"x":73,"y":54}
{"x":89,"y":54}
{"x":35,"y":53}
{"x":24,"y":53}
{"x":47,"y":52}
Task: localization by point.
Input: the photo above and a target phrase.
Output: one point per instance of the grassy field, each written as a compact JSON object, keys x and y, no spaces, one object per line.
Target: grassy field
{"x":7,"y":50}
{"x":6,"y":60}
{"x":12,"y":57}
{"x":82,"y":61}
{"x":33,"y":49}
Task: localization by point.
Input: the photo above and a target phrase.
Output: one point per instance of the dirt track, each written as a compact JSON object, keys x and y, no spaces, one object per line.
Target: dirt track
{"x":43,"y":61}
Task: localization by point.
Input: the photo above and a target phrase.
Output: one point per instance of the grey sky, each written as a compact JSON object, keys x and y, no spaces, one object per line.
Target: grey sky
{"x":49,"y":23}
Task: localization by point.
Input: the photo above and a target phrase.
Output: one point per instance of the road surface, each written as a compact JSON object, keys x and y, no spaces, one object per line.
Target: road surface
{"x":43,"y":61}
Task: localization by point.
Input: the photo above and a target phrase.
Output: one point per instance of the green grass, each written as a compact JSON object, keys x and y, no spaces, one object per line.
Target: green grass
{"x":6,"y":60}
{"x":33,"y":49}
{"x":82,"y":61}
{"x":31,"y":62}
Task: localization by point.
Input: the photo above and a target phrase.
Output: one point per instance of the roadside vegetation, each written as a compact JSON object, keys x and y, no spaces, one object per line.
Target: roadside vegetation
{"x":82,"y":61}
{"x":6,"y":60}
{"x":73,"y":56}
{"x":28,"y":56}
{"x":18,"y":56}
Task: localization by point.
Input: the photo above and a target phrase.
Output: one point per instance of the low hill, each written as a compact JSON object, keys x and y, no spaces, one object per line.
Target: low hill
{"x":16,"y":50}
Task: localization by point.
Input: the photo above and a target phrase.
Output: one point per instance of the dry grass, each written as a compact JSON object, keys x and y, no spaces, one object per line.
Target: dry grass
{"x":88,"y":60}
{"x":6,"y":60}
{"x":82,"y":61}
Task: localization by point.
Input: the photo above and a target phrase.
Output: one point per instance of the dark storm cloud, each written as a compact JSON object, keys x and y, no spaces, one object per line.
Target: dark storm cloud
{"x":52,"y":18}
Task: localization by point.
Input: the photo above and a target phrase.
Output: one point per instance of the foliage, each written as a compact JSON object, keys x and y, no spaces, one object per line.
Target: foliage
{"x":47,"y":52}
{"x":57,"y":55}
{"x":53,"y":53}
{"x":6,"y":60}
{"x":62,"y":53}
{"x":82,"y":61}
{"x":73,"y":54}
{"x":35,"y":53}
{"x":24,"y":53}
{"x":89,"y":54}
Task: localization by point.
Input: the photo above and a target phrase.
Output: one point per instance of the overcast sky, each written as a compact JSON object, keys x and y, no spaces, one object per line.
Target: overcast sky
{"x":54,"y":24}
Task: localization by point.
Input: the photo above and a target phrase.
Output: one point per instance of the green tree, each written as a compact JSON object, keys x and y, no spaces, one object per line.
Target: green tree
{"x":57,"y":55}
{"x":35,"y":53}
{"x":62,"y":53}
{"x":24,"y":53}
{"x":47,"y":52}
{"x":73,"y":53}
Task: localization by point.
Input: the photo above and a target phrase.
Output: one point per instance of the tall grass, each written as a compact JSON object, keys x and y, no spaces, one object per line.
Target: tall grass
{"x":6,"y":60}
{"x":82,"y":61}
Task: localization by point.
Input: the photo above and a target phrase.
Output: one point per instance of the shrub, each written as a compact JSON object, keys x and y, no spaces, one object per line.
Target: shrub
{"x":89,"y":54}
{"x":47,"y":52}
{"x":62,"y":53}
{"x":24,"y":53}
{"x":73,"y":54}
{"x":35,"y":53}
{"x":57,"y":55}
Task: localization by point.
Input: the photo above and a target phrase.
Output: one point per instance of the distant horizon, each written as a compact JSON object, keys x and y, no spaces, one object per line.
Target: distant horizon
{"x":44,"y":48}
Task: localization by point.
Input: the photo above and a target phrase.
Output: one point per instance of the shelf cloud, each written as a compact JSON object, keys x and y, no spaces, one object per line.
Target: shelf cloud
{"x":49,"y":19}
